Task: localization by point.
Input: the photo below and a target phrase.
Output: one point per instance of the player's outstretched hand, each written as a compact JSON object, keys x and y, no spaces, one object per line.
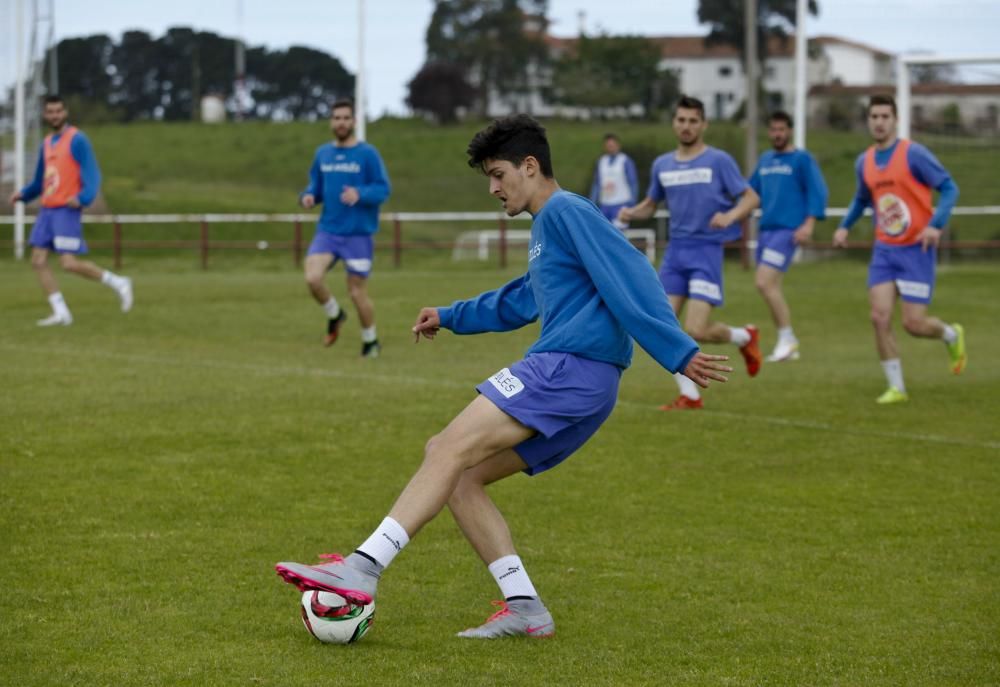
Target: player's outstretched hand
{"x":428,"y":324}
{"x":308,"y":201}
{"x":705,"y":367}
{"x":840,"y":238}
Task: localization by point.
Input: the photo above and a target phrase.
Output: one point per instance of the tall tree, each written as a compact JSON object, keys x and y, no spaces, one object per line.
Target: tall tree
{"x":726,"y":19}
{"x":608,"y":72}
{"x":501,"y":43}
{"x":440,"y":89}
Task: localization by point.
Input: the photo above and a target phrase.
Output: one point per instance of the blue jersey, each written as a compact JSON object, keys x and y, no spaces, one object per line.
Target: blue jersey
{"x":696,"y":189}
{"x":589,"y":286}
{"x":791,"y":188}
{"x":90,"y":174}
{"x":358,"y":166}
{"x":925,"y":168}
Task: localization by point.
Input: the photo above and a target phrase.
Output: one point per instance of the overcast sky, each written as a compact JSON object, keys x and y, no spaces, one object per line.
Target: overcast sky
{"x":395,"y":28}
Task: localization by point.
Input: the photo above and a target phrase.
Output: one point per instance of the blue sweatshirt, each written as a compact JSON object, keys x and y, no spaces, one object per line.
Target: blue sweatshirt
{"x":925,"y":168}
{"x":791,"y":187}
{"x":359,"y":166}
{"x":590,"y":287}
{"x":90,"y":174}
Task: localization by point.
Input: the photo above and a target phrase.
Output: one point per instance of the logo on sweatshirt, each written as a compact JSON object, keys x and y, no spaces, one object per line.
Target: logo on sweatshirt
{"x":346,"y":167}
{"x":534,"y":251}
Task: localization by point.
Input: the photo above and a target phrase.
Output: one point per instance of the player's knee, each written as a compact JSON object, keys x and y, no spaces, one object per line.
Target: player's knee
{"x":39,"y":262}
{"x":881,"y":319}
{"x":314,"y":279}
{"x":913,"y":325}
{"x":697,"y":332}
{"x":68,"y":262}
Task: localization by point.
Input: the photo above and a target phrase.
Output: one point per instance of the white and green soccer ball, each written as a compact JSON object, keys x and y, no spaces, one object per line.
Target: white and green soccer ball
{"x":331,"y":619}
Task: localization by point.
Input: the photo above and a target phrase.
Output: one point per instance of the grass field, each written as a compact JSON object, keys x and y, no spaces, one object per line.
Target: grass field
{"x":154,"y":467}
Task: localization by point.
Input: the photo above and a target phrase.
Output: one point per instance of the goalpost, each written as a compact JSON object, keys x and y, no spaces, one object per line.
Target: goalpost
{"x":952,"y":104}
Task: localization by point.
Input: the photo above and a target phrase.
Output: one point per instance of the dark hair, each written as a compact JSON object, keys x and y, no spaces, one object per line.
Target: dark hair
{"x":342,"y":102}
{"x":53,"y":98}
{"x":781,"y":116}
{"x":883,"y":100}
{"x":612,"y":137}
{"x":689,"y":103}
{"x":511,"y":139}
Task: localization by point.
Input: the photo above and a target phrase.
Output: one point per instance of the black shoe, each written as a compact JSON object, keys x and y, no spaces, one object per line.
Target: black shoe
{"x":371,"y":349}
{"x":333,"y":328}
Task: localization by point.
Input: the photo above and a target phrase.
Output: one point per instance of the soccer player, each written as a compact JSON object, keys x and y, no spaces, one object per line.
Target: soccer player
{"x":896,"y":178}
{"x":708,"y":198}
{"x":616,"y":183}
{"x":793,"y":196}
{"x":348,"y":177}
{"x":593,"y":292}
{"x":67,"y":179}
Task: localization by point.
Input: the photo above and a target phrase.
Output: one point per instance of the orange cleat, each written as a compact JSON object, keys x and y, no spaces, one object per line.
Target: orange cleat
{"x":751,"y":351}
{"x":333,"y":328}
{"x":684,"y":403}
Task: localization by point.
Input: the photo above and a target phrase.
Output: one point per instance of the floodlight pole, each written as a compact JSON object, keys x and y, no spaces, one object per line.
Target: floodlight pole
{"x":359,"y":78}
{"x":241,"y":64}
{"x":801,"y":71}
{"x":19,"y":151}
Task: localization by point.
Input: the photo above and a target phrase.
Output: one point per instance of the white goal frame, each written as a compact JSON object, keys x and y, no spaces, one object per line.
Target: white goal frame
{"x":903,"y":88}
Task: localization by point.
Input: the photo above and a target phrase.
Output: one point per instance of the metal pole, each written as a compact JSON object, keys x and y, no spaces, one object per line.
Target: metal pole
{"x":397,"y":241}
{"x":204,"y":244}
{"x":903,"y":97}
{"x":53,"y":50}
{"x":241,"y":65}
{"x":297,"y":244}
{"x":750,"y":21}
{"x":117,"y":238}
{"x":19,"y":151}
{"x":801,"y":72}
{"x":503,"y":242}
{"x":359,"y":78}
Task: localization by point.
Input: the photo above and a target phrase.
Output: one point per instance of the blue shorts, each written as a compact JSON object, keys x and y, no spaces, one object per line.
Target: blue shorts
{"x":356,"y":250}
{"x":564,"y":397}
{"x":693,"y":269}
{"x":59,"y":230}
{"x":776,"y":248}
{"x":909,"y":267}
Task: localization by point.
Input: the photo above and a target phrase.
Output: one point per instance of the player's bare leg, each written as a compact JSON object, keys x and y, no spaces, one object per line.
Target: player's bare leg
{"x":882,"y":298}
{"x":698,"y":323}
{"x":768,"y":281}
{"x":316,"y":266}
{"x":357,"y":287}
{"x":522,"y":611}
{"x":60,"y":311}
{"x":88,"y":270}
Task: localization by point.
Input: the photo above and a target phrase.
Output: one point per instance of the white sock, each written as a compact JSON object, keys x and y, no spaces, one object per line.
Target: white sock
{"x":111,"y":279}
{"x":511,"y":577}
{"x":950,"y":335}
{"x":786,"y":334}
{"x":739,"y":336}
{"x":687,"y":387}
{"x":332,"y":308}
{"x":386,"y":541}
{"x":58,"y":304}
{"x":894,"y":373}
{"x":368,"y":334}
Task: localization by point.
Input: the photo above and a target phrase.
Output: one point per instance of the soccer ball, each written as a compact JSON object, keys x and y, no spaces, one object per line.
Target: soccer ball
{"x":330,"y":618}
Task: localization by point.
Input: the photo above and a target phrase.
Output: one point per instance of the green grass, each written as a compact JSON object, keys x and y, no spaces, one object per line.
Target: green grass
{"x":261,"y":167}
{"x":154,"y":466}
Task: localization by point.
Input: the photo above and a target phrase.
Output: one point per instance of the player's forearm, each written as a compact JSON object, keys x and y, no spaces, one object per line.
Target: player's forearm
{"x":946,"y":203}
{"x":749,"y":201}
{"x":644,"y":210}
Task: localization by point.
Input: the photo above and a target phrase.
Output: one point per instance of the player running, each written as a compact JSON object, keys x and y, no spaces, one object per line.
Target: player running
{"x":347,"y":176}
{"x":67,"y":179}
{"x":896,"y":177}
{"x":793,"y":196}
{"x":593,"y":293}
{"x":708,"y":198}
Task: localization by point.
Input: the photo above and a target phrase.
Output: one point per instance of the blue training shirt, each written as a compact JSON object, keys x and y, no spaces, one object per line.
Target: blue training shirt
{"x":791,"y":187}
{"x":359,"y":166}
{"x":90,"y":173}
{"x":925,"y":168}
{"x":590,"y":287}
{"x":696,"y":189}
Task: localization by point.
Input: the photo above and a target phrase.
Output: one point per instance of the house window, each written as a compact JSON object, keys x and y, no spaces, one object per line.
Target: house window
{"x":725,"y":71}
